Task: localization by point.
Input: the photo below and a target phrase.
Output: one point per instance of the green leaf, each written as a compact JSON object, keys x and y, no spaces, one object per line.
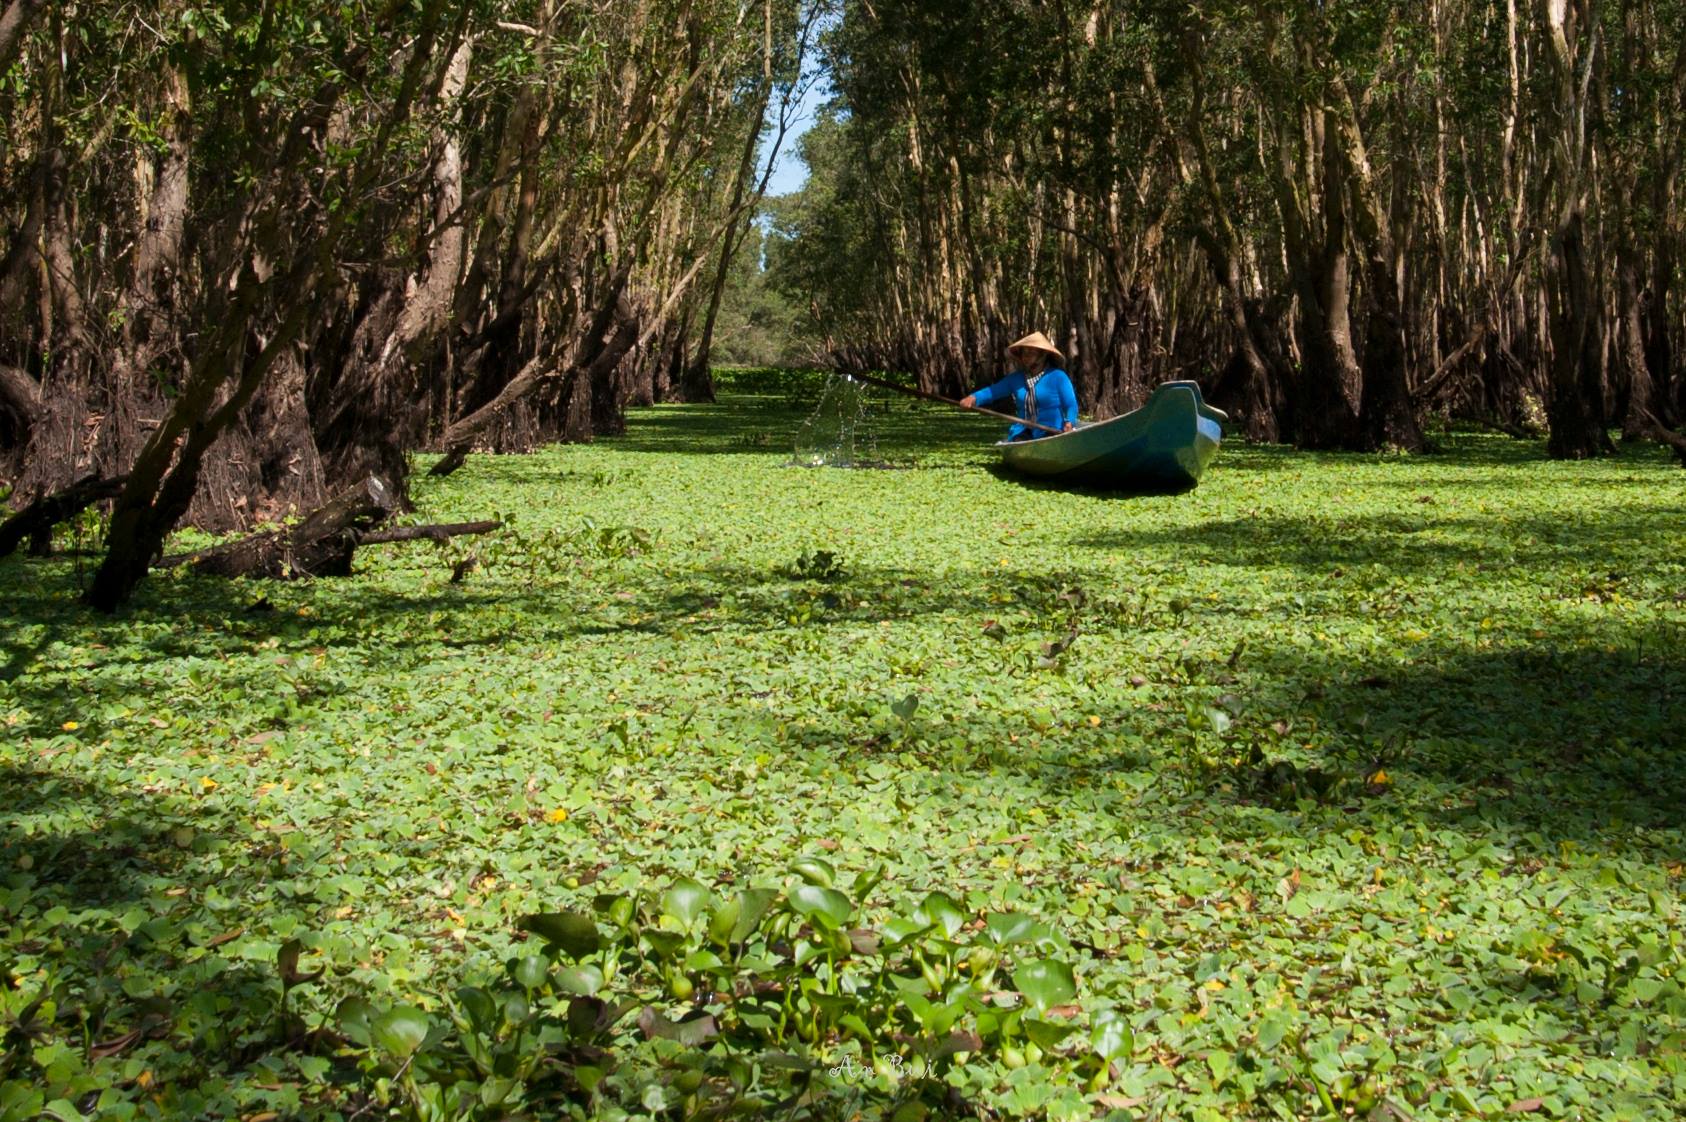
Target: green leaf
{"x":477,"y":1005}
{"x":355,"y":1018}
{"x":530,"y":971}
{"x":401,"y":1030}
{"x":815,"y":871}
{"x":941,"y":909}
{"x":495,"y":1091}
{"x":1045,"y":983}
{"x":864,"y":885}
{"x":571,"y":932}
{"x":1046,"y":1034}
{"x":1005,"y":928}
{"x":584,"y":980}
{"x":1272,"y":1028}
{"x":664,"y":943}
{"x":753,"y":907}
{"x":685,"y":900}
{"x":724,"y":919}
{"x":617,"y":906}
{"x":1112,"y":1036}
{"x":826,"y":906}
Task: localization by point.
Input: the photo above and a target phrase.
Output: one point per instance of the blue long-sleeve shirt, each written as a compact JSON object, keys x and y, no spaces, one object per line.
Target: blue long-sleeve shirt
{"x":1056,"y":401}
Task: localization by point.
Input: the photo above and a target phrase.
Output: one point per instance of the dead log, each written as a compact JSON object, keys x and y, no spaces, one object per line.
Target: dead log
{"x":36,"y":521}
{"x":1659,"y":432}
{"x":1423,"y":395}
{"x":435,"y":533}
{"x":320,"y":545}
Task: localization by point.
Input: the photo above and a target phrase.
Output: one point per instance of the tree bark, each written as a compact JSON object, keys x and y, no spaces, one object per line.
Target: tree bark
{"x":20,"y":406}
{"x":1575,"y":411}
{"x":1385,"y":414}
{"x":14,"y":24}
{"x":157,"y":493}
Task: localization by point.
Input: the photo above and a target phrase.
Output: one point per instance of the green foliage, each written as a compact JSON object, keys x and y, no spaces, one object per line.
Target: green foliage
{"x":757,"y":324}
{"x":712,"y":1001}
{"x":818,"y":564}
{"x":1358,"y":786}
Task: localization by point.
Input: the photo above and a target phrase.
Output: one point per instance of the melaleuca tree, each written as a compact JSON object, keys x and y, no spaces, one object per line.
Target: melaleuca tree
{"x":1341,"y":217}
{"x":255,"y":252}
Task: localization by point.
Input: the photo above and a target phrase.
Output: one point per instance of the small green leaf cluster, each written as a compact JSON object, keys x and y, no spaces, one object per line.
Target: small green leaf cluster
{"x":709,"y":1001}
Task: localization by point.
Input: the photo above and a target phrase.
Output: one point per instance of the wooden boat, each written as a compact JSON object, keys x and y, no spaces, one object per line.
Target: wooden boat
{"x":1163,"y":447}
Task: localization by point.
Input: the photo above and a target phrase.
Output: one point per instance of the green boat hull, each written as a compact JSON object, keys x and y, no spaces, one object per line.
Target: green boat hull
{"x":1163,"y":447}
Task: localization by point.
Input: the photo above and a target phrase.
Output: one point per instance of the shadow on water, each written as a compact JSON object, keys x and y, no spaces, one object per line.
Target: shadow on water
{"x":87,"y":845}
{"x":1554,"y":741}
{"x":1404,"y":542}
{"x":1571,"y":726}
{"x":763,"y":423}
{"x":1054,"y":486}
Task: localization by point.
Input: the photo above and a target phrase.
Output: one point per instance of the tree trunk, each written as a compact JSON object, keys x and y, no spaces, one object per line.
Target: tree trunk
{"x":1637,"y":392}
{"x":1575,"y":413}
{"x":1385,"y":415}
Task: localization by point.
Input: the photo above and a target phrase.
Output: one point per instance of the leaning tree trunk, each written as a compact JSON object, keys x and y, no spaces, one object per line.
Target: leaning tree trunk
{"x":166,"y":474}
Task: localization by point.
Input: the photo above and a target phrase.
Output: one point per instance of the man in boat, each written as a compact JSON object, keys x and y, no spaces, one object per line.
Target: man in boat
{"x":1037,"y":390}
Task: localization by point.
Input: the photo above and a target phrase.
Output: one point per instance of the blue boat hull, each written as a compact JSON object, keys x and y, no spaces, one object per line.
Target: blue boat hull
{"x":1163,"y":447}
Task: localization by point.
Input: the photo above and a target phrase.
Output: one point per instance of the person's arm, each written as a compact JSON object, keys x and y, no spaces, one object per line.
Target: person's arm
{"x":987,"y":396}
{"x":1068,"y":404}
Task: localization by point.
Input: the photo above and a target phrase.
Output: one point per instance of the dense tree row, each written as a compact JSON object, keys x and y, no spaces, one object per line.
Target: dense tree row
{"x":256,"y":250}
{"x":1339,"y":216}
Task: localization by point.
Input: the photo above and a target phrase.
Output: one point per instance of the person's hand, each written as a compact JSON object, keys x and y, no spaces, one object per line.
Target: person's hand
{"x":970,"y":401}
{"x":1069,"y":427}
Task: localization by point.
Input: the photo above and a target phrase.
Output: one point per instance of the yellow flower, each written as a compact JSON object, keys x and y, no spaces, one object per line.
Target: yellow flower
{"x":558,"y":815}
{"x":206,"y":783}
{"x":71,"y":726}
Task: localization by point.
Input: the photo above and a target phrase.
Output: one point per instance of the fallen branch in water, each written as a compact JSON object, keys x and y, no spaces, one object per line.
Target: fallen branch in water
{"x":320,"y":545}
{"x":1657,"y":431}
{"x":36,"y":521}
{"x":436,"y":533}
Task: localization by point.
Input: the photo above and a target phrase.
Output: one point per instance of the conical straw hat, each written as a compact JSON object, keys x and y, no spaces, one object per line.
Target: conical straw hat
{"x":1040,"y":342}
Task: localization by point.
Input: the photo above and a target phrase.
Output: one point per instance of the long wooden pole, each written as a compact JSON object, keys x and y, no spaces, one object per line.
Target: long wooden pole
{"x":911,"y":392}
